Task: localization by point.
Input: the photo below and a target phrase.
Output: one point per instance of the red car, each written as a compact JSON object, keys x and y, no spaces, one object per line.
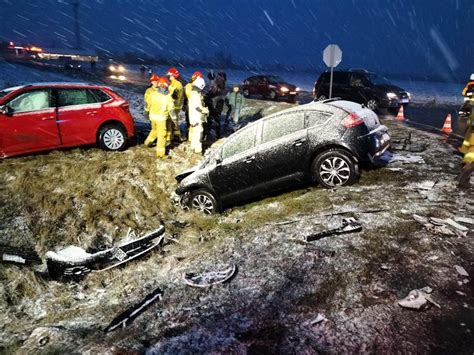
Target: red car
{"x":270,"y":86}
{"x":48,"y":116}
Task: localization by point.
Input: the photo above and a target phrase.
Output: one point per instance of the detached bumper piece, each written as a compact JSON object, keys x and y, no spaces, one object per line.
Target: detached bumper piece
{"x":349,"y":225}
{"x":75,"y":262}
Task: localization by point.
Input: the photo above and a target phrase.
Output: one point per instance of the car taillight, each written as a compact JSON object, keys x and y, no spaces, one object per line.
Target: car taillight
{"x":352,"y":120}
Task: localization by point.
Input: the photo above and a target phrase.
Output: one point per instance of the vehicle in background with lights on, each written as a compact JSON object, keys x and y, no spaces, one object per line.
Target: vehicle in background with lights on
{"x":115,"y":71}
{"x":270,"y":86}
{"x":363,"y":87}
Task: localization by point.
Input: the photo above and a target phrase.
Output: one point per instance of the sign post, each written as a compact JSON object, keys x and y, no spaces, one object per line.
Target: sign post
{"x":332,"y":56}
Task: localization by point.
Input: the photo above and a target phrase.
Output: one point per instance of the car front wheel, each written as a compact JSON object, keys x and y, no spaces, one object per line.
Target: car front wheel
{"x":203,"y":201}
{"x":334,"y":168}
{"x":112,"y":137}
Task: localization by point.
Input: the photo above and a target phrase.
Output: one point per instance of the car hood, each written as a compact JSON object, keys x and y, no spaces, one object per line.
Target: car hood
{"x":390,"y":88}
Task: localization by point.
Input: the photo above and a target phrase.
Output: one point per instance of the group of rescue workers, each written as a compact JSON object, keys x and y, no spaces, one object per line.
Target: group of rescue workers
{"x":168,"y":98}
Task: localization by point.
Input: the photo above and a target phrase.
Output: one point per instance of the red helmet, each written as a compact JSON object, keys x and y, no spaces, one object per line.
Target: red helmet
{"x":197,"y":74}
{"x":163,"y":82}
{"x":173,"y":72}
{"x":154,"y":77}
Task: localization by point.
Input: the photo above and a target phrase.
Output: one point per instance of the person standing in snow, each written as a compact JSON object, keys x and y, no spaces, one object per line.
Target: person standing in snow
{"x":177,"y":93}
{"x":161,"y":106}
{"x":197,"y":115}
{"x":187,"y":92}
{"x":235,"y":101}
{"x":467,"y":149}
{"x":153,"y":87}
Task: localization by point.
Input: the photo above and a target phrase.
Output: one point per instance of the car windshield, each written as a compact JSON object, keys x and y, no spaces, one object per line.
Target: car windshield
{"x":378,"y":80}
{"x":275,"y":79}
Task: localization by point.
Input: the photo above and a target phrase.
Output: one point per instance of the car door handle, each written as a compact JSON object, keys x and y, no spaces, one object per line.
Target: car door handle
{"x":48,"y":118}
{"x":299,"y":142}
{"x":91,"y":113}
{"x":250,"y":159}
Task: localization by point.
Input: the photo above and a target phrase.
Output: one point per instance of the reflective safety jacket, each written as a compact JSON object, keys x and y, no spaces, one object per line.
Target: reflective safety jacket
{"x":467,"y":147}
{"x":197,"y":112}
{"x":147,"y":97}
{"x":161,"y":106}
{"x":177,"y":93}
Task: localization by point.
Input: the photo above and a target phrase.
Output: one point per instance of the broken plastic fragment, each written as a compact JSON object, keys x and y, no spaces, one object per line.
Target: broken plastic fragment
{"x":461,"y":271}
{"x":349,"y":225}
{"x":207,"y":279}
{"x":417,"y":299}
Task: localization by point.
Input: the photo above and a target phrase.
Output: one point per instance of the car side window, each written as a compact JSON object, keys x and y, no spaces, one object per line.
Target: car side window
{"x":317,"y":118}
{"x":282,"y":125}
{"x":341,"y":78}
{"x":71,"y":97}
{"x":31,"y":101}
{"x":99,"y":95}
{"x":242,"y":141}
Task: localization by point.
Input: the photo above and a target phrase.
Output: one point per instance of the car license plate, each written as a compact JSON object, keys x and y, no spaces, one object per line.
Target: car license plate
{"x":119,"y":254}
{"x":404,"y":101}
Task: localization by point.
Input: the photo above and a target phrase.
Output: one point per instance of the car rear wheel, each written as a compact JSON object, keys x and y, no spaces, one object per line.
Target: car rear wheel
{"x":112,"y":137}
{"x":272,"y":95}
{"x":333,"y":168}
{"x":203,"y":201}
{"x":372,"y":104}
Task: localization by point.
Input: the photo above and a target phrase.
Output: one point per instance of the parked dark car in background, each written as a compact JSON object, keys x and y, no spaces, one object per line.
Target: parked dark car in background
{"x":48,"y":116}
{"x":322,"y":142}
{"x":271,"y":87}
{"x":362,"y":87}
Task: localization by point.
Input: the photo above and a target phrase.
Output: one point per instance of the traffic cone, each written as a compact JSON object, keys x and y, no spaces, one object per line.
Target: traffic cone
{"x":400,"y":117}
{"x":447,"y":125}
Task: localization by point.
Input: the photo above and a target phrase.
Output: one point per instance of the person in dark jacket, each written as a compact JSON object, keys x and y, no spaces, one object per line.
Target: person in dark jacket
{"x":235,"y":101}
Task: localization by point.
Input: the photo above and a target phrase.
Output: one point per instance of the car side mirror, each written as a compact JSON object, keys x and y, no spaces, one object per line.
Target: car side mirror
{"x":6,"y":110}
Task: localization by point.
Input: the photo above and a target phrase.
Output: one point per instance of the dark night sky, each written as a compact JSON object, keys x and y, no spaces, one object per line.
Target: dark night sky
{"x":397,"y":36}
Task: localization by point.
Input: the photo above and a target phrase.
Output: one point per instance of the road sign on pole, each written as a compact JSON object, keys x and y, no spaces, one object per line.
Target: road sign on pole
{"x":332,"y":56}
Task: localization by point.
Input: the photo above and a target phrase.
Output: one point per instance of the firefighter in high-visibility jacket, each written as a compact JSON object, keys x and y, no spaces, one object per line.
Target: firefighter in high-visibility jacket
{"x":197,"y":114}
{"x":467,"y":149}
{"x":177,"y":93}
{"x":154,"y":87}
{"x":187,"y":91}
{"x":161,"y":108}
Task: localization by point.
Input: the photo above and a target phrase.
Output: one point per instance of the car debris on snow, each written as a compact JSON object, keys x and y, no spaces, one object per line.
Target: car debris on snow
{"x":10,"y":254}
{"x":349,"y":225}
{"x":74,"y":261}
{"x":446,"y":227}
{"x":461,"y":271}
{"x":408,"y":145}
{"x":392,"y":158}
{"x":319,"y":318}
{"x":209,"y":278}
{"x":464,"y":220}
{"x":128,"y":316}
{"x":417,"y":299}
{"x":424,"y":185}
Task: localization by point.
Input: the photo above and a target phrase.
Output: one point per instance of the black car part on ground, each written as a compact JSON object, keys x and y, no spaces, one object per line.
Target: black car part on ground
{"x":75,"y":262}
{"x":128,"y":316}
{"x":349,"y":225}
{"x":17,"y":255}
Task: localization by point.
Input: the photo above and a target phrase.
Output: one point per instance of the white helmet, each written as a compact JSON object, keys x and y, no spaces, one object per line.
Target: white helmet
{"x":199,"y":83}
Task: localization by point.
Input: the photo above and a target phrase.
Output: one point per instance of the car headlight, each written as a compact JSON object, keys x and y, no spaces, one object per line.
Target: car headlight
{"x":391,"y":95}
{"x":121,"y":68}
{"x":112,"y":68}
{"x":284,"y":89}
{"x":113,"y":77}
{"x":298,"y":89}
{"x":409,"y":95}
{"x":121,"y":77}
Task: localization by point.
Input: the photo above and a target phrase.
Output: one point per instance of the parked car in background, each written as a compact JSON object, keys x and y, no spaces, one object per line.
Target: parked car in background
{"x":322,"y":142}
{"x":271,"y":87}
{"x":72,"y":66}
{"x":362,"y":87}
{"x":48,"y":116}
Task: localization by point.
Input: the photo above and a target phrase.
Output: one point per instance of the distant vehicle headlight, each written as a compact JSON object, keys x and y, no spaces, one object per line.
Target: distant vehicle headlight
{"x":122,"y":77}
{"x":409,"y":95}
{"x":298,"y":89}
{"x":284,"y":89}
{"x":391,"y":95}
{"x":112,"y":68}
{"x":113,"y":77}
{"x":121,"y":68}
